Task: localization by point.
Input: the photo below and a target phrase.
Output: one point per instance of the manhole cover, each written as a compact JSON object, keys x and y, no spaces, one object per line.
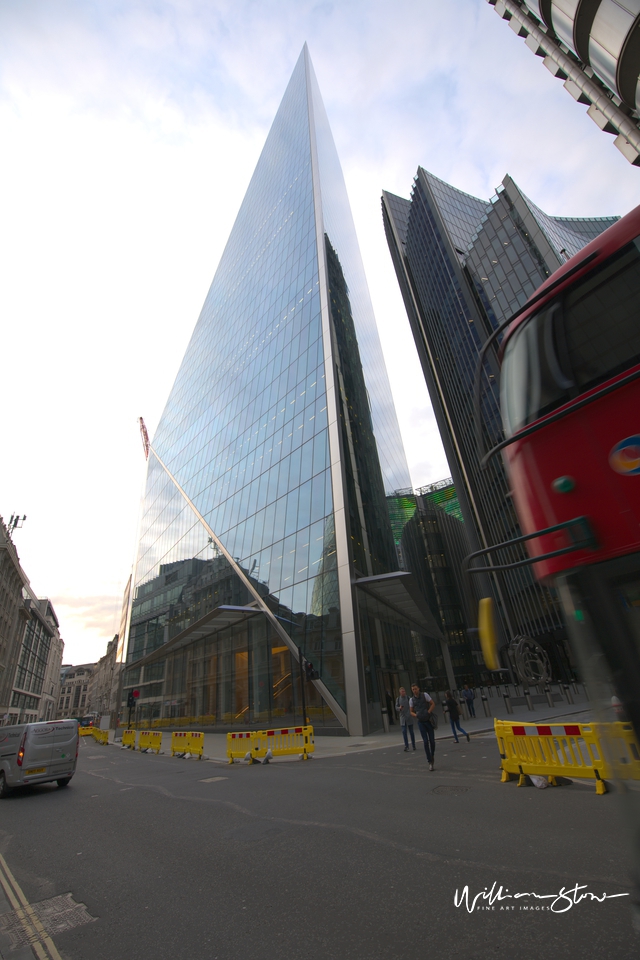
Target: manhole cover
{"x":56,"y":915}
{"x":450,"y":791}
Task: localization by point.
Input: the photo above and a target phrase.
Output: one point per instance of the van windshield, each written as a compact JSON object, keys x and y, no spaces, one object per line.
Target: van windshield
{"x":584,"y":338}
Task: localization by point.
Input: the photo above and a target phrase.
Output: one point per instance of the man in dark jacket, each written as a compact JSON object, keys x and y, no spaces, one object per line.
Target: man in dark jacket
{"x":422,"y":706}
{"x":454,"y":717}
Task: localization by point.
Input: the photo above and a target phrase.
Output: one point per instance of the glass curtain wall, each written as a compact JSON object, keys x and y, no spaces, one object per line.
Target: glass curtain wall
{"x":285,"y":346}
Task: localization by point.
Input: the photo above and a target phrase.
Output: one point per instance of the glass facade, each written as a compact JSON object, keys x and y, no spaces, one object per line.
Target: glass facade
{"x":464,"y":265}
{"x":280,"y":429}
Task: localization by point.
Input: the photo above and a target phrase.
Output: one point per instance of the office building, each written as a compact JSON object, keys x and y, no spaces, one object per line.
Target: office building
{"x":30,"y":643}
{"x":464,"y":265}
{"x":593,"y":46}
{"x":264,"y":528}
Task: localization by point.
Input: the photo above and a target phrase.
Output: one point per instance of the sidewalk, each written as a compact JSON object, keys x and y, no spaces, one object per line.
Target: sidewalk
{"x":215,"y":744}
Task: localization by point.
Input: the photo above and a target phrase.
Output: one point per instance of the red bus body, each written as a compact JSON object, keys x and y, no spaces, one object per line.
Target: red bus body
{"x":581,"y":446}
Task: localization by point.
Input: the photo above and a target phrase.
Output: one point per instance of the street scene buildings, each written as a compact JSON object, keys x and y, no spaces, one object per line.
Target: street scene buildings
{"x":280,"y":432}
{"x":464,"y":265}
{"x":30,"y":644}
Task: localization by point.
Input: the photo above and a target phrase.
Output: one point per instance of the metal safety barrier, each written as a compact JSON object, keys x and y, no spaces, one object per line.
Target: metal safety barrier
{"x":238,"y":746}
{"x":150,"y":740}
{"x":591,"y":751}
{"x":100,"y":736}
{"x":129,"y":739}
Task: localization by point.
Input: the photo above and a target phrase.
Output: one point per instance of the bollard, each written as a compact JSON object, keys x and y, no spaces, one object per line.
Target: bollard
{"x":547,"y":691}
{"x":507,"y":701}
{"x":528,"y":699}
{"x":575,"y":688}
{"x":464,"y":708}
{"x":485,"y":706}
{"x":385,"y":719}
{"x":567,"y":693}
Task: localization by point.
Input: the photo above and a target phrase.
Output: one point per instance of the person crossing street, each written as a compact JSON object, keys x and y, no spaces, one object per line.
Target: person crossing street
{"x":454,"y":716}
{"x":422,"y":707}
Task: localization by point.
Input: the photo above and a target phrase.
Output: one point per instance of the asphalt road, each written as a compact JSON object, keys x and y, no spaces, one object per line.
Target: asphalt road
{"x":344,"y":858}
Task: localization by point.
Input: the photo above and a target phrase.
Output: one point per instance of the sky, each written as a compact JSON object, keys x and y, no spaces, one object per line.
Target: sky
{"x":130,"y":130}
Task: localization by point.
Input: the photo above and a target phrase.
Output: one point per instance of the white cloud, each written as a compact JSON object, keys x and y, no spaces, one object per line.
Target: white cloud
{"x":130,"y":131}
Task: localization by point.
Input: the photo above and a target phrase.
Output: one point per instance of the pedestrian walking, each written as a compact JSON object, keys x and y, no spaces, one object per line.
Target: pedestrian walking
{"x":469,"y":697}
{"x":454,"y":717}
{"x":403,"y":709}
{"x":422,"y":706}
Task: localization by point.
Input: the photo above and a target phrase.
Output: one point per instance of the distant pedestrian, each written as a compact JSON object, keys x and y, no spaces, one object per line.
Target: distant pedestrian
{"x":403,"y":709}
{"x":469,"y":696}
{"x":389,"y":701}
{"x":454,"y":717}
{"x":422,"y":706}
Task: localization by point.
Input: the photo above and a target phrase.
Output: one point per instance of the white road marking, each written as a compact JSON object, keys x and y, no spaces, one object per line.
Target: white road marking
{"x":213,"y":779}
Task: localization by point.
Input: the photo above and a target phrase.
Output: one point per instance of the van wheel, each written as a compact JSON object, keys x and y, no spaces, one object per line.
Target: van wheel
{"x":4,"y":789}
{"x":64,"y":783}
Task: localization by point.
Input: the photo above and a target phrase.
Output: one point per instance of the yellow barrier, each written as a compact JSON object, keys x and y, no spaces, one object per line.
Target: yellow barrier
{"x":196,"y":744}
{"x":280,"y":743}
{"x":265,"y":744}
{"x":179,"y":743}
{"x":100,"y":736}
{"x":150,"y":740}
{"x":129,"y":739}
{"x":238,"y":746}
{"x":85,"y":731}
{"x":589,"y":751}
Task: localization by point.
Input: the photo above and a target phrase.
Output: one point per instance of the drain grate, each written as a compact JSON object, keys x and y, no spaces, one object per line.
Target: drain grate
{"x":450,"y":791}
{"x":56,"y":916}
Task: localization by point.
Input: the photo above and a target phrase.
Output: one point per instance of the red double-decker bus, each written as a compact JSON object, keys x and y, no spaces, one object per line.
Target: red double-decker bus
{"x":570,"y":403}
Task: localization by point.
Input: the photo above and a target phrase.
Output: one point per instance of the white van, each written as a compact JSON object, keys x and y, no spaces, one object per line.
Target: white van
{"x":38,"y":753}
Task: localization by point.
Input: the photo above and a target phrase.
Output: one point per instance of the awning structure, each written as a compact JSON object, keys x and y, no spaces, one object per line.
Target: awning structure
{"x":397,"y":593}
{"x":218,"y":619}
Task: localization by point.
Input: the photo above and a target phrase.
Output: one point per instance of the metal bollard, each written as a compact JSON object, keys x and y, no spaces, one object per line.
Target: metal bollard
{"x":547,"y":691}
{"x":485,"y":705}
{"x":567,"y":693}
{"x":575,"y":688}
{"x":385,"y":719}
{"x":507,"y":703}
{"x":528,"y":699}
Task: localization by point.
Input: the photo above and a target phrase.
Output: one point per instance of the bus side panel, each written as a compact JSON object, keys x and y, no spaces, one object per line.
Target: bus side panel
{"x":580,"y":446}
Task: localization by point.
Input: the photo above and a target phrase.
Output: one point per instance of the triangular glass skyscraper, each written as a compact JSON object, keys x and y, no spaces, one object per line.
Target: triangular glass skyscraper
{"x":265,"y":497}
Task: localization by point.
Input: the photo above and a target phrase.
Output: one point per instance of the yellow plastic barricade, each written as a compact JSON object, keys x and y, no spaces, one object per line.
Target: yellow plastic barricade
{"x":196,"y":744}
{"x":238,"y":746}
{"x":281,"y":743}
{"x":129,"y":739}
{"x":150,"y":740}
{"x":179,"y":742}
{"x":591,"y":751}
{"x":85,"y":731}
{"x":100,"y":736}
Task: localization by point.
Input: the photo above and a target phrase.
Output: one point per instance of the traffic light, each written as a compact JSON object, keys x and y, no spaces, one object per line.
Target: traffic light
{"x":131,"y":700}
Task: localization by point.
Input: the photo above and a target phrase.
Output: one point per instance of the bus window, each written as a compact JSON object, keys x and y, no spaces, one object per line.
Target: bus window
{"x":601,"y":320}
{"x":574,"y":344}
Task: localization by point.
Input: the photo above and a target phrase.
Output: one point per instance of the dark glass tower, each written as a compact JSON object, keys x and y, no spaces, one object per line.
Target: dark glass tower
{"x":264,"y":524}
{"x":464,"y":265}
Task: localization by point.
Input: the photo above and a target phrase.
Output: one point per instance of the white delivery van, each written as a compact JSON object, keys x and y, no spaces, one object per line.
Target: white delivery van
{"x":38,"y":753}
